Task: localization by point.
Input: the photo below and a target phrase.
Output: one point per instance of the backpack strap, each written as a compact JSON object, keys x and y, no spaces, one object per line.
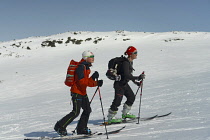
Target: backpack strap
{"x":80,"y":71}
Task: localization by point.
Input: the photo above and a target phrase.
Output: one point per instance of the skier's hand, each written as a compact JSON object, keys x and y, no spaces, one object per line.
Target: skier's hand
{"x":95,"y":75}
{"x":100,"y":83}
{"x":141,"y":76}
{"x":137,"y":83}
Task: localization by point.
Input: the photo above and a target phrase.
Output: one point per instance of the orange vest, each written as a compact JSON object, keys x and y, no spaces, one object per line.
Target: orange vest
{"x":81,"y":85}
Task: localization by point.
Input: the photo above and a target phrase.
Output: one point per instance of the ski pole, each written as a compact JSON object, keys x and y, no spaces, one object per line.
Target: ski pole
{"x":141,"y":85}
{"x":138,"y":88}
{"x":94,"y":94}
{"x":102,"y":111}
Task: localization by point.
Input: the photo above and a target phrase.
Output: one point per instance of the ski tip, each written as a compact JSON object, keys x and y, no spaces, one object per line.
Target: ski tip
{"x":168,"y":113}
{"x":164,"y":115}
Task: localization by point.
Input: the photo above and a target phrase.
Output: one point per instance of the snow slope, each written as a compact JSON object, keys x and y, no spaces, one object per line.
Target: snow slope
{"x":33,"y":96}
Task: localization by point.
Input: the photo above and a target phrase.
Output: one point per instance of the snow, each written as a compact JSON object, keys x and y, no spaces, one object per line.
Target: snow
{"x":33,"y":96}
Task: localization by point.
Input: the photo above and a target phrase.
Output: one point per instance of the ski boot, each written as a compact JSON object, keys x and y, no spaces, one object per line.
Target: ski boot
{"x":85,"y":131}
{"x":111,"y":117}
{"x":125,"y":112}
{"x":128,"y":115}
{"x":60,"y":130}
{"x":114,"y":120}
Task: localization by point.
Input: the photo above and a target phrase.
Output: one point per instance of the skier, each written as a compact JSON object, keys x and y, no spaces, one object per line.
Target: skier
{"x":79,"y":96}
{"x":122,"y":88}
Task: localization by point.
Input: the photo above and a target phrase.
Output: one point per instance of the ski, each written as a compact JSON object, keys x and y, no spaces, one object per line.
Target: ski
{"x":112,"y":132}
{"x":159,"y":116}
{"x":135,"y":119}
{"x":153,"y":117}
{"x":147,"y":118}
{"x":141,"y":119}
{"x":131,"y":120}
{"x":70,"y":137}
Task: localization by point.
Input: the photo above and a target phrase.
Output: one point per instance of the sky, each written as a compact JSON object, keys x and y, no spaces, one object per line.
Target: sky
{"x":26,"y":18}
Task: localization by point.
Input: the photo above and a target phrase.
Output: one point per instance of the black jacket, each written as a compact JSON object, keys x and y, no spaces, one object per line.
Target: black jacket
{"x":126,"y":71}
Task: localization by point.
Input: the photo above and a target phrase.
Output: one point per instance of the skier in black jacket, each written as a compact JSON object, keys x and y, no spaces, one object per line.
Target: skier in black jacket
{"x":122,"y":88}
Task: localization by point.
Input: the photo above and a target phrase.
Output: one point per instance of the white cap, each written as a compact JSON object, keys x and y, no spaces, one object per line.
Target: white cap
{"x":86,"y":54}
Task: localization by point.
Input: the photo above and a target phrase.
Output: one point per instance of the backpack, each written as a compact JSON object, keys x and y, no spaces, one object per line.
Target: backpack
{"x":70,"y":78}
{"x":114,"y":68}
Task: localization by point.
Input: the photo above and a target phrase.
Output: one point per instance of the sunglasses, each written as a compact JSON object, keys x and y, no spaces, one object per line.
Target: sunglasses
{"x":92,"y":56}
{"x":135,"y":53}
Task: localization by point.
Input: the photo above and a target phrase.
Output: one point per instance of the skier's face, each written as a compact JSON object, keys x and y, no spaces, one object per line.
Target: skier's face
{"x":90,"y":59}
{"x":134,"y":55}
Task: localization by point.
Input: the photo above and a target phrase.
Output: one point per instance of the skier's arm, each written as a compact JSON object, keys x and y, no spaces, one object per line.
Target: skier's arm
{"x":91,"y":82}
{"x":127,"y":74}
{"x":81,"y":77}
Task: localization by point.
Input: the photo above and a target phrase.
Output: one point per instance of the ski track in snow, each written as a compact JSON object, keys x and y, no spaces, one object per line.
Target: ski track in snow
{"x":33,"y":95}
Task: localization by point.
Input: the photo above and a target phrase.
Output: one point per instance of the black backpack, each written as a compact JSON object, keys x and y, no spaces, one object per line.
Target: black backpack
{"x":114,"y":68}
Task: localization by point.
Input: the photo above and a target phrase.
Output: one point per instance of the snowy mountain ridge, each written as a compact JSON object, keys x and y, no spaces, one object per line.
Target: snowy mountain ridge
{"x":69,"y":39}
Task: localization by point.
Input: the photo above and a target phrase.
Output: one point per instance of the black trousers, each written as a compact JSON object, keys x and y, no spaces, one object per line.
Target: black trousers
{"x":121,"y":90}
{"x":79,"y":102}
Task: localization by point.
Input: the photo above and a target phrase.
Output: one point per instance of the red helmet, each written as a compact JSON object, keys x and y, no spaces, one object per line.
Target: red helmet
{"x":130,"y":50}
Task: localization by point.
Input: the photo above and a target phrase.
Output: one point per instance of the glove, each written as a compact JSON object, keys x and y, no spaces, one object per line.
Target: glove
{"x":95,"y":75}
{"x":137,"y":83}
{"x":100,"y":83}
{"x":141,"y":76}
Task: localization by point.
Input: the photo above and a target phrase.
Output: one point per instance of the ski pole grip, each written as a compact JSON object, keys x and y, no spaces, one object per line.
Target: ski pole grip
{"x":142,"y":79}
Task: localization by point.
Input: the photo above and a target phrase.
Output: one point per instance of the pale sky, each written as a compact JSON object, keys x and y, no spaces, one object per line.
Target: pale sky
{"x":26,"y":18}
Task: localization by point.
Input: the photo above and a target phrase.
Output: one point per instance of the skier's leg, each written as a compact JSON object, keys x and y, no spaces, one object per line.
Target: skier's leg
{"x":66,"y":120}
{"x":129,"y":102}
{"x":119,"y":92}
{"x":82,"y":124}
